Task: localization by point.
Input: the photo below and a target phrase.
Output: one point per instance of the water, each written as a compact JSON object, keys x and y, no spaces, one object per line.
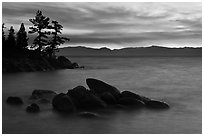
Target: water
{"x":174,"y":80}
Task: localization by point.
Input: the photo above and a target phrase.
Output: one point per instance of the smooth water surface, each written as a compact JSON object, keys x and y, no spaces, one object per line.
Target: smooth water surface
{"x":174,"y":80}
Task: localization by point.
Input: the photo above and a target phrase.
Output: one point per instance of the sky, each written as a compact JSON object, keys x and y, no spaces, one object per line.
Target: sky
{"x":115,"y":25}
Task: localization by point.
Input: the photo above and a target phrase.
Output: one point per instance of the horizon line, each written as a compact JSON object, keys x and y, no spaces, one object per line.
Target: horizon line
{"x":161,"y":46}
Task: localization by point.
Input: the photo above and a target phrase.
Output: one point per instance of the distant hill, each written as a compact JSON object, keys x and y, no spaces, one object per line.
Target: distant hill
{"x":152,"y":51}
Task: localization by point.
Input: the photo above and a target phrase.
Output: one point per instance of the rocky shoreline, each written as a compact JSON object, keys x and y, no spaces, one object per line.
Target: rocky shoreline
{"x":82,"y":101}
{"x":11,"y":65}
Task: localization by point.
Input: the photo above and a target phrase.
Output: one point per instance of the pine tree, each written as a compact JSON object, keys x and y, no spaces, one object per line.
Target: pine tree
{"x":22,"y":40}
{"x":3,"y":34}
{"x":11,"y":40}
{"x":41,"y":23}
{"x":57,"y":40}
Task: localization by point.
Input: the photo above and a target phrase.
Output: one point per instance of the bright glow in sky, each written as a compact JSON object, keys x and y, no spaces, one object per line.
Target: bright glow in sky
{"x":116,"y":25}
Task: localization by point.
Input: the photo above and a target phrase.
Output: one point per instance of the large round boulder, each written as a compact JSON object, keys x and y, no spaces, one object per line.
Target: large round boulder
{"x":78,"y":92}
{"x":14,"y":100}
{"x":91,"y":101}
{"x":128,"y":101}
{"x":108,"y":98}
{"x":134,"y":95}
{"x":101,"y":87}
{"x":154,"y":104}
{"x":63,"y":102}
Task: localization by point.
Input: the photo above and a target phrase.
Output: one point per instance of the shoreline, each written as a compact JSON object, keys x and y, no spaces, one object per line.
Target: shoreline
{"x":14,"y":65}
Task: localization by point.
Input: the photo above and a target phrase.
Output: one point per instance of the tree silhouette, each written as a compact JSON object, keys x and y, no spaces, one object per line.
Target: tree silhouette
{"x":57,"y":40}
{"x":3,"y":34}
{"x":41,"y":23}
{"x":11,"y":41}
{"x":22,"y":40}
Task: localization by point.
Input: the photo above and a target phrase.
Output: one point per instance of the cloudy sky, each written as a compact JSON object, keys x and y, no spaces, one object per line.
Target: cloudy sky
{"x":116,"y":25}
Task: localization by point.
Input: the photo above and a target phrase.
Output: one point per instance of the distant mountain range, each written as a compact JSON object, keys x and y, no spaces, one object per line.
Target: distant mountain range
{"x":152,"y":51}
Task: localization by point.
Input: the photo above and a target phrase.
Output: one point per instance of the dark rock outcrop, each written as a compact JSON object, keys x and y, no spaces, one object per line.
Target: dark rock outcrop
{"x":128,"y":101}
{"x":26,"y":64}
{"x":63,"y":102}
{"x":125,"y":94}
{"x":154,"y":104}
{"x":101,"y":95}
{"x":75,"y":65}
{"x":101,"y":87}
{"x":64,"y":62}
{"x":78,"y":92}
{"x":14,"y":100}
{"x":33,"y":108}
{"x":91,"y":101}
{"x":108,"y":98}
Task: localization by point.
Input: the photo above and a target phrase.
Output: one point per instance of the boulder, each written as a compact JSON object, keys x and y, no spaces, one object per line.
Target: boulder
{"x":108,"y":98}
{"x":64,"y":62}
{"x":154,"y":104}
{"x":91,"y":101}
{"x":134,"y":95}
{"x":78,"y":92}
{"x":63,"y":102}
{"x":101,"y":87}
{"x":14,"y":100}
{"x":45,"y":94}
{"x":75,"y":65}
{"x":128,"y":101}
{"x":33,"y":108}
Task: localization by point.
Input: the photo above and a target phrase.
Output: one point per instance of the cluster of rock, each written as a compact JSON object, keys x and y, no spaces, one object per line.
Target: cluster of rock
{"x":99,"y":95}
{"x":37,"y":64}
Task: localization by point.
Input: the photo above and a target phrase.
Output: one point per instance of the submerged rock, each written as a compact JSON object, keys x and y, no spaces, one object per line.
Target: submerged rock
{"x":128,"y":101}
{"x":40,"y":92}
{"x":63,"y":102}
{"x":157,"y":104}
{"x":33,"y":108}
{"x":14,"y":100}
{"x":101,"y":87}
{"x":43,"y":100}
{"x":46,"y":94}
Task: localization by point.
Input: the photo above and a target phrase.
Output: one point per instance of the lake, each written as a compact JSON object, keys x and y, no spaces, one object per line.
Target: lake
{"x":176,"y":80}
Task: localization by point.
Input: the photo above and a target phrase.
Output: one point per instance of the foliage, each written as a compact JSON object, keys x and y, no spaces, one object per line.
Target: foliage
{"x":11,"y":40}
{"x":56,"y":40}
{"x":43,"y":44}
{"x":3,"y":34}
{"x":22,"y":40}
{"x":41,"y":23}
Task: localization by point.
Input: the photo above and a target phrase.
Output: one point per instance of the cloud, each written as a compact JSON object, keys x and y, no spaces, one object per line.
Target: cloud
{"x":115,"y":23}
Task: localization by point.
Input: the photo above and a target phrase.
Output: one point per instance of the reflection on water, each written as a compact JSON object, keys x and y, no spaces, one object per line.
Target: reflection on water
{"x":175,"y":80}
